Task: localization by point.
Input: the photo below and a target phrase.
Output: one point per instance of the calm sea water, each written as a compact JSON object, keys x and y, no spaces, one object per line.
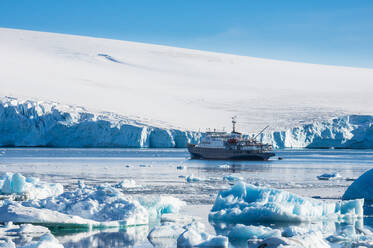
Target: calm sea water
{"x":156,"y":172}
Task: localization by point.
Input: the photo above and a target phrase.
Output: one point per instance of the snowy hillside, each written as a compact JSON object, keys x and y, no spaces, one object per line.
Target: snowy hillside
{"x":29,"y":123}
{"x":184,"y":88}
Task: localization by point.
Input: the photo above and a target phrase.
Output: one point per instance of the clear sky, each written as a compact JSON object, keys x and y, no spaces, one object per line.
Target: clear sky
{"x":316,"y":31}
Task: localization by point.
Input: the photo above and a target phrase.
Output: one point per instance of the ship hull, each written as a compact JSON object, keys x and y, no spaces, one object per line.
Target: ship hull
{"x":224,"y":154}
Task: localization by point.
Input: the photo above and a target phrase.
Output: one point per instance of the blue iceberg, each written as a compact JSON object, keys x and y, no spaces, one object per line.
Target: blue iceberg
{"x":245,"y":203}
{"x":361,"y":188}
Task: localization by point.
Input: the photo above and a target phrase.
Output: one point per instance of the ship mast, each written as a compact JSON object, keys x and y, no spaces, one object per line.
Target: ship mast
{"x":234,"y":124}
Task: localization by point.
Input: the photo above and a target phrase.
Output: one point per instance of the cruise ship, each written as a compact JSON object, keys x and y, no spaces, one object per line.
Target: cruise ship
{"x":230,"y":146}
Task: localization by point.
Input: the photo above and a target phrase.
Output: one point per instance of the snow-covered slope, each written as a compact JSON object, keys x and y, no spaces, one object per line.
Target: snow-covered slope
{"x":185,"y":88}
{"x":30,"y":123}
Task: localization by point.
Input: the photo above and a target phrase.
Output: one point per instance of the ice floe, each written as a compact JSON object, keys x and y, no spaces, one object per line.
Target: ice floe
{"x":192,"y":179}
{"x":126,"y":183}
{"x":232,"y":178}
{"x":172,"y":225}
{"x":244,"y":202}
{"x":90,"y":207}
{"x":194,"y":235}
{"x":361,"y":188}
{"x":224,"y":166}
{"x":181,"y":167}
{"x":159,"y":205}
{"x":30,"y":187}
{"x":329,"y":176}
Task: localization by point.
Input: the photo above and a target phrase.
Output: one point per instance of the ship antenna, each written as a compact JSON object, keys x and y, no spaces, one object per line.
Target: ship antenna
{"x":234,"y":123}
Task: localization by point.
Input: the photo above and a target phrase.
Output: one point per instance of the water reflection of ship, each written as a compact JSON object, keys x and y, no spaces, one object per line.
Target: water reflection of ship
{"x":230,"y":146}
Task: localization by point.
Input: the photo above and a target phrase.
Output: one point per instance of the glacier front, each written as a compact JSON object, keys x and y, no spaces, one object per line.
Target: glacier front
{"x":350,"y":131}
{"x":27,"y":123}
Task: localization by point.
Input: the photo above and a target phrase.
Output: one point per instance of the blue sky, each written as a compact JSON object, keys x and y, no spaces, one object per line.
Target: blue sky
{"x":314,"y":31}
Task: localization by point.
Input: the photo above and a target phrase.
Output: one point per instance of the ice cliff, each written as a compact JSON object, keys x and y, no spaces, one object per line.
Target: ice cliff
{"x":350,"y":131}
{"x":31,"y":123}
{"x":35,"y":123}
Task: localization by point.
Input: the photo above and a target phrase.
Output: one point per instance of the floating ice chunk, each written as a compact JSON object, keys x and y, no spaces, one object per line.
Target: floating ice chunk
{"x":225,"y":166}
{"x":91,"y":207}
{"x":329,"y":176}
{"x":13,"y":183}
{"x":32,"y":187}
{"x":195,"y":236}
{"x":32,"y":229}
{"x":144,"y":165}
{"x":181,"y":167}
{"x":81,"y":184}
{"x":253,"y":232}
{"x":351,"y":234}
{"x":15,"y":211}
{"x":126,"y":183}
{"x":157,"y":206}
{"x":172,"y":225}
{"x":192,"y":179}
{"x":244,"y":203}
{"x":232,"y":178}
{"x":361,"y":188}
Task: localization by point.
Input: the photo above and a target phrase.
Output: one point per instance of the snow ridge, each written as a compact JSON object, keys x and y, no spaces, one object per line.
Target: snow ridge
{"x":36,"y":123}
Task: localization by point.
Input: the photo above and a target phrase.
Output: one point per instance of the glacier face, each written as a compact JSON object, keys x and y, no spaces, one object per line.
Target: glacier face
{"x":36,"y":123}
{"x":350,"y":131}
{"x":31,"y":123}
